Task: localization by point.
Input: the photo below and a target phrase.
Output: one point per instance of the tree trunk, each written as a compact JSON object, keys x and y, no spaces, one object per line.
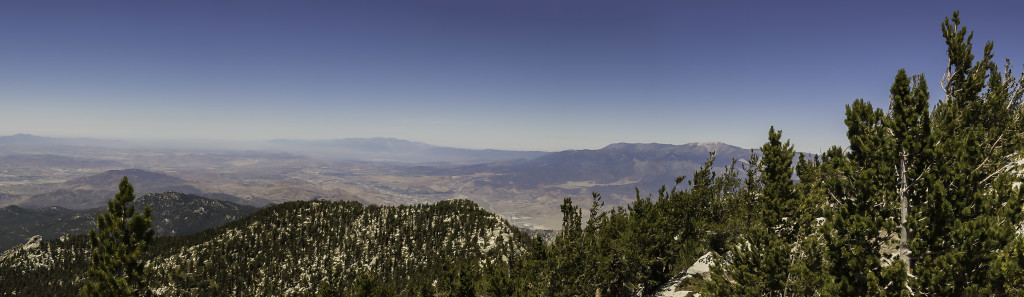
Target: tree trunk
{"x":902,"y":191}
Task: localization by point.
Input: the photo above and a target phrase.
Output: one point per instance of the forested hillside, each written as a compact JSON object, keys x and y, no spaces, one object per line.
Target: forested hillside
{"x":297,"y":248}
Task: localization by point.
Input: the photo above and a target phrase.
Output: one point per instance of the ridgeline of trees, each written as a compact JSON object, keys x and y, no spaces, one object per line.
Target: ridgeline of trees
{"x":301,"y":248}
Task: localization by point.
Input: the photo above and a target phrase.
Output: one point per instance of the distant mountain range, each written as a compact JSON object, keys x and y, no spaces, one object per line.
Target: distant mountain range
{"x":28,"y":143}
{"x":526,"y":187}
{"x":397,"y":150}
{"x":173,"y":214}
{"x":645,"y":165}
{"x":356,"y":149}
{"x":29,"y":139}
{"x":614,"y":171}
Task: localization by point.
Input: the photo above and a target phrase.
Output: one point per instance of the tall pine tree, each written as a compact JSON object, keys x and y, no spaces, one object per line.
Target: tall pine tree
{"x":118,"y":243}
{"x":977,"y":135}
{"x":760,"y":264}
{"x":909,"y":125}
{"x":777,"y":175}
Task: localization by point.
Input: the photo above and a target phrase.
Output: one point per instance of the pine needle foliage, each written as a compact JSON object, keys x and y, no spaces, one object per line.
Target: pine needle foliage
{"x":118,"y":244}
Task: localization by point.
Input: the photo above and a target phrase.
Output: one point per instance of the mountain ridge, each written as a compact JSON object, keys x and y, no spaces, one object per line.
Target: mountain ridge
{"x":174,"y":213}
{"x":293,"y":249}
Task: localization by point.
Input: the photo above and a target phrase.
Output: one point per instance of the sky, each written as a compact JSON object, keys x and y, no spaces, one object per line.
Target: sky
{"x":521,"y":75}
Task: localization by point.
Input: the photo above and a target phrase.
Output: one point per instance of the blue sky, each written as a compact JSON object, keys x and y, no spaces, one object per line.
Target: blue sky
{"x":537,"y":75}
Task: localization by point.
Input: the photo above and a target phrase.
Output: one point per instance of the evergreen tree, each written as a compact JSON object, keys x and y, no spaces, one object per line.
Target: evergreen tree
{"x":977,"y":136}
{"x":777,"y":175}
{"x":118,"y":243}
{"x":909,"y":124}
{"x":936,"y":183}
{"x":569,"y":257}
{"x":809,"y":268}
{"x":761,"y":263}
{"x":859,"y":194}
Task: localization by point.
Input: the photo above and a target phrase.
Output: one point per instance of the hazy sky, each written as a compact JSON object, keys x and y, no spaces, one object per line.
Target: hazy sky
{"x":539,"y":75}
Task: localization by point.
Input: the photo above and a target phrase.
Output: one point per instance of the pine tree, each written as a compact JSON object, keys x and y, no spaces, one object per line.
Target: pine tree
{"x":859,"y":186}
{"x":761,"y":263}
{"x":567,"y":263}
{"x":118,"y":243}
{"x":977,"y":135}
{"x":809,"y":268}
{"x":909,"y":124}
{"x":777,"y":175}
{"x":875,"y":185}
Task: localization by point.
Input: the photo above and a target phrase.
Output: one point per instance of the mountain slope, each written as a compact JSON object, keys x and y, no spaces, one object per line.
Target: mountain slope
{"x":173,"y":214}
{"x":291,"y":249}
{"x":180,"y":214}
{"x":18,"y":224}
